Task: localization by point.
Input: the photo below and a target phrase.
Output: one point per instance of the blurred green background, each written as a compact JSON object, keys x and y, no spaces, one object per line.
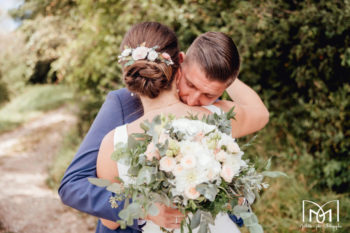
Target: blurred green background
{"x":295,"y":54}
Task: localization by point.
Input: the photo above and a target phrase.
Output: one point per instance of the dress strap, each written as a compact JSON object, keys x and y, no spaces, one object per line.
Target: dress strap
{"x":213,"y":109}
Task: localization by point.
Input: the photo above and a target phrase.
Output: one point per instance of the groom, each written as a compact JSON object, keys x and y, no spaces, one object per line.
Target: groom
{"x":210,"y":66}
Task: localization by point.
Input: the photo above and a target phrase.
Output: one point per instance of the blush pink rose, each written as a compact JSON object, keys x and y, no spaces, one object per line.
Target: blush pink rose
{"x":166,"y":56}
{"x":192,"y":193}
{"x":152,"y":152}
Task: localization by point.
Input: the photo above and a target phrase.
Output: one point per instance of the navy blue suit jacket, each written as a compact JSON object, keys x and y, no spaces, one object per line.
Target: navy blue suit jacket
{"x":75,"y":190}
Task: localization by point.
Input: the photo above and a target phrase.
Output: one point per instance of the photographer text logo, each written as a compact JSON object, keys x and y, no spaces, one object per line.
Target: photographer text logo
{"x":320,"y":216}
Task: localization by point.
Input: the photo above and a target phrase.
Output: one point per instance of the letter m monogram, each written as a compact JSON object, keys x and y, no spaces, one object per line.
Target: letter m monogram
{"x":320,"y":214}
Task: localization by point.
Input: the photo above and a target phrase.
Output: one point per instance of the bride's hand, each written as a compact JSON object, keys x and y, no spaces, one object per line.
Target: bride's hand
{"x":167,"y":217}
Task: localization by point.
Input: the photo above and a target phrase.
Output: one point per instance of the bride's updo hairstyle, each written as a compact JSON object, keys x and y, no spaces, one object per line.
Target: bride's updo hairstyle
{"x":146,"y":77}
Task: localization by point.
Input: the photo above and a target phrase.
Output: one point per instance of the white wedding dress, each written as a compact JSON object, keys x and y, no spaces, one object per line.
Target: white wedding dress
{"x":223,"y":223}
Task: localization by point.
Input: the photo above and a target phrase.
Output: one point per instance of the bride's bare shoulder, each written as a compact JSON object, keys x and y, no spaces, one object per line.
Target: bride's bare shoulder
{"x":108,"y":139}
{"x":106,"y":149}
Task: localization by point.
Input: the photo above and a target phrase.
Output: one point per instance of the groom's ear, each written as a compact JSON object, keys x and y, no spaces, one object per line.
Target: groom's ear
{"x":182,"y":56}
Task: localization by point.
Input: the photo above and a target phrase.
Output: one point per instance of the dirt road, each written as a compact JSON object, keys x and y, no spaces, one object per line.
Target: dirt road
{"x":27,"y":205}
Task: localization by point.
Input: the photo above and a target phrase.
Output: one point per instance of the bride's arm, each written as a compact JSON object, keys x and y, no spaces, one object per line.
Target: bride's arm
{"x":106,"y":168}
{"x":251,"y":113}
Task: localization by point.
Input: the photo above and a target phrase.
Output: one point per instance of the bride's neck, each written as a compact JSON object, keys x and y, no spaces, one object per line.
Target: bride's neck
{"x":165,"y":99}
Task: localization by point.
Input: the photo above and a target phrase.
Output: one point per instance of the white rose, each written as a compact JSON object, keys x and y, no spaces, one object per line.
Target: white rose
{"x":126,"y":52}
{"x":188,"y":161}
{"x":167,"y":164}
{"x":233,"y":147}
{"x":191,"y":127}
{"x":229,"y":143}
{"x":191,"y":193}
{"x":140,"y":53}
{"x":221,"y":156}
{"x":152,"y":55}
{"x":185,"y":178}
{"x":178,"y":169}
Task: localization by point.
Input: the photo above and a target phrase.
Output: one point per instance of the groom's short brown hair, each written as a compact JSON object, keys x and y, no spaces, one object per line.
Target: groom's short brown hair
{"x":217,"y":55}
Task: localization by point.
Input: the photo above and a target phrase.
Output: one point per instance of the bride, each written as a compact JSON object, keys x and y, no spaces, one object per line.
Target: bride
{"x":150,"y":66}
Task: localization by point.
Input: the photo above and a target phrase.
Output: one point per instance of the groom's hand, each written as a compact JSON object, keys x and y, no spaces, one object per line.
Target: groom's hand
{"x":167,"y":217}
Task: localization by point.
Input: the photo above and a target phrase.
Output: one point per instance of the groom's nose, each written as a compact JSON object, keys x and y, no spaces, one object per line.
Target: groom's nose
{"x":193,"y":99}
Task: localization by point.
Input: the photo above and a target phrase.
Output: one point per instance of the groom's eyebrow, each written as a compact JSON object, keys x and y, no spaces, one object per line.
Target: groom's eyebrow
{"x":188,"y":81}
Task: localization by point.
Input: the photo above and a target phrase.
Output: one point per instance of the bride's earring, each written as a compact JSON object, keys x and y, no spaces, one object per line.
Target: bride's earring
{"x":132,"y":94}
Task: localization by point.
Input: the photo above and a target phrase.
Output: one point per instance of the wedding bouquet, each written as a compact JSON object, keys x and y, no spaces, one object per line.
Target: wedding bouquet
{"x":189,"y":163}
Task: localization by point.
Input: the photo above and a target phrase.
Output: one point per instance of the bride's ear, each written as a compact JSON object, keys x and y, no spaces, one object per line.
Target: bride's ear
{"x":182,"y":56}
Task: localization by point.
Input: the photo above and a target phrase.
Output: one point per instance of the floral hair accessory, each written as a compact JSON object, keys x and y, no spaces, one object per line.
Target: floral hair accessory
{"x":130,"y":55}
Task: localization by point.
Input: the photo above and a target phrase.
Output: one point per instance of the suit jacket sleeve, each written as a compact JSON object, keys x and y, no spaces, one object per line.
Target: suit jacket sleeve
{"x":75,"y":189}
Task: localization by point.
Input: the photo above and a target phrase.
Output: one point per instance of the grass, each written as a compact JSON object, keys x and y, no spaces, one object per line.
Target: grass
{"x":31,"y":103}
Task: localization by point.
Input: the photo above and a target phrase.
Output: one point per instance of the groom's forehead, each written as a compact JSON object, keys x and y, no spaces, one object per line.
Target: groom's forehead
{"x":195,"y":76}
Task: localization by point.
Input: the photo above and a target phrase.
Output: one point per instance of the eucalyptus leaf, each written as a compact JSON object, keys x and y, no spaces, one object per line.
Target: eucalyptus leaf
{"x":146,"y":175}
{"x":203,"y":227}
{"x":153,"y":210}
{"x":274,"y":174}
{"x":256,"y":228}
{"x":208,"y":190}
{"x":145,"y":126}
{"x":268,"y":165}
{"x":249,"y":218}
{"x":132,"y":142}
{"x":196,"y":219}
{"x":132,"y":212}
{"x":207,"y":217}
{"x":126,"y":203}
{"x":99,"y":182}
{"x":250,"y":196}
{"x":239,"y":209}
{"x":122,"y":224}
{"x":115,"y":188}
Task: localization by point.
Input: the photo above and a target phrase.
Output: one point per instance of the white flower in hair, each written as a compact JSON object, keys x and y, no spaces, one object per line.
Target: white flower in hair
{"x":126,"y":52}
{"x":140,"y":53}
{"x":152,"y":55}
{"x":130,"y":55}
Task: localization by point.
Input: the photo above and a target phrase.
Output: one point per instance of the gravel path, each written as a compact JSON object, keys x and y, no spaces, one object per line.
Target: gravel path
{"x":27,"y":205}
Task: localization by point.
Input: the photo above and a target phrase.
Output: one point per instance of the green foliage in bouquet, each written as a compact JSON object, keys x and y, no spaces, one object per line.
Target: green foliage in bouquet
{"x":152,"y":181}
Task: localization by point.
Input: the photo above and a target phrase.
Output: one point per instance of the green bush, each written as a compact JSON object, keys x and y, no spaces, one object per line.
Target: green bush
{"x":298,"y":57}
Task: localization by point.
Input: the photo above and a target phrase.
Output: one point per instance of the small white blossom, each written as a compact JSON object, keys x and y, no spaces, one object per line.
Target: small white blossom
{"x":140,"y":53}
{"x":191,"y":128}
{"x":188,"y":161}
{"x":126,"y":52}
{"x":167,"y":164}
{"x":152,"y":55}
